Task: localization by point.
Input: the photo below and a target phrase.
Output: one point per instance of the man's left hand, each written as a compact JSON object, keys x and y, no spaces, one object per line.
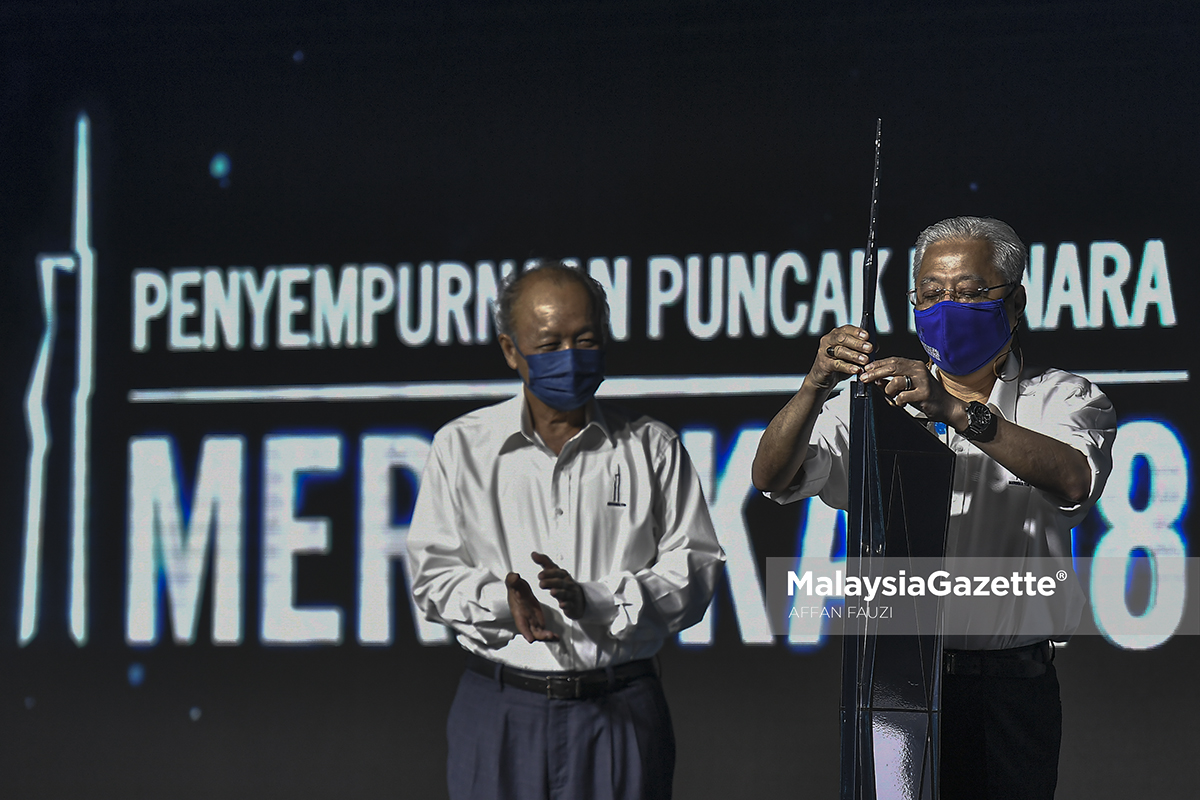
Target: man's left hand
{"x":562,"y":586}
{"x":906,"y":381}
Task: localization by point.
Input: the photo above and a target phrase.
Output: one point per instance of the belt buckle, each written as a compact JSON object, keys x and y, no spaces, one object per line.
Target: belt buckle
{"x":574,"y":682}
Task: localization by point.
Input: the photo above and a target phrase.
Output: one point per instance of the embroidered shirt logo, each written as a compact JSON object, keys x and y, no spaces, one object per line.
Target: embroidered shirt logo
{"x":616,"y":492}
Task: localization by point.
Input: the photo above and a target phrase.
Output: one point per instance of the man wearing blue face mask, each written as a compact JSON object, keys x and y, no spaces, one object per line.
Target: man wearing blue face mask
{"x":563,"y":541}
{"x":1032,"y":455}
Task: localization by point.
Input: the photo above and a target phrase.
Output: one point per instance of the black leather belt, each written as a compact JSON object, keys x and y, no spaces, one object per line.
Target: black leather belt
{"x":564,"y":685}
{"x":1018,"y":662}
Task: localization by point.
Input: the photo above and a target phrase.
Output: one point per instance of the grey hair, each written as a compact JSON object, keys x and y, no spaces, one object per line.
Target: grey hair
{"x":510,"y":291}
{"x":1008,"y":252}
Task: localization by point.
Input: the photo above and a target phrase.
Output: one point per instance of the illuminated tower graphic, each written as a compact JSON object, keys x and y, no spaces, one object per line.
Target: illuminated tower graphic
{"x":82,"y":262}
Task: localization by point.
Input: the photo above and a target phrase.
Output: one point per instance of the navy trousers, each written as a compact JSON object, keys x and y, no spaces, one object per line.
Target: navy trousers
{"x":513,"y":744}
{"x":1000,"y":737}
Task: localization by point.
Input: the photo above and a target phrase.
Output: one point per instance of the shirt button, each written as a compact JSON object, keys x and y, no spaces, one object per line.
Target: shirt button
{"x":558,"y":512}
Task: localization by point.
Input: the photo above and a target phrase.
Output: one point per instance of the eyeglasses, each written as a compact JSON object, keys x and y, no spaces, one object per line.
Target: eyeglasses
{"x":964,"y":293}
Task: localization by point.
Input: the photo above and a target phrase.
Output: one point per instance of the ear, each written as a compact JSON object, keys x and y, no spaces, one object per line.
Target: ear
{"x":510,"y":350}
{"x":1019,"y":300}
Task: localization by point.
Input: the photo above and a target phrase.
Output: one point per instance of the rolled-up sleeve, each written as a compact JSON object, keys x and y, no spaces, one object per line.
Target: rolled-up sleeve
{"x":826,"y":470}
{"x":448,"y":585}
{"x":1078,"y":414}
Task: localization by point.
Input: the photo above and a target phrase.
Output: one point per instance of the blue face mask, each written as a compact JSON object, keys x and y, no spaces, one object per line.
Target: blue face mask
{"x":565,"y":379}
{"x":962,"y":337}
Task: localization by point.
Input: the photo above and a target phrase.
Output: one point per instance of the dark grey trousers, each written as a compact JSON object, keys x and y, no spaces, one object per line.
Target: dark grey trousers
{"x":1000,"y":737}
{"x":513,"y":744}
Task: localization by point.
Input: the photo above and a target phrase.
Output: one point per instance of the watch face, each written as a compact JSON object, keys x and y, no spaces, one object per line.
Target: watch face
{"x":978,"y":414}
{"x":979,"y":417}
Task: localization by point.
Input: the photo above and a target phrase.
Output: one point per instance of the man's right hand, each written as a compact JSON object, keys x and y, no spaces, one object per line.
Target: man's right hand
{"x":526,"y":610}
{"x":781,"y":452}
{"x":843,"y":352}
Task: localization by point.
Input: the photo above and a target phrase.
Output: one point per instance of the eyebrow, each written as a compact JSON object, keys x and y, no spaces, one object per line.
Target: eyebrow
{"x":970,"y":277}
{"x":589,"y":328}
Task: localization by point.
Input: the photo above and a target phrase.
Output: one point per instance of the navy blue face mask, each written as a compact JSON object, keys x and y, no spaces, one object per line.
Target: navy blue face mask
{"x":565,"y":379}
{"x":962,"y":337}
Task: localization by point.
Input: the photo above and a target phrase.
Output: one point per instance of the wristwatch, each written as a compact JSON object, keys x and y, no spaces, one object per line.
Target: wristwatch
{"x":981,"y":423}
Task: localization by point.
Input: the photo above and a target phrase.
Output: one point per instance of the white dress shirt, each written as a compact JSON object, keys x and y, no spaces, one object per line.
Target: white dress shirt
{"x":992,"y":512}
{"x":620,"y":508}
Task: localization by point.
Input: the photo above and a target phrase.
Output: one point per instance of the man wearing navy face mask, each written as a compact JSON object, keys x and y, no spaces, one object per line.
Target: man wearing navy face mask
{"x":563,"y":542}
{"x":1032,"y":455}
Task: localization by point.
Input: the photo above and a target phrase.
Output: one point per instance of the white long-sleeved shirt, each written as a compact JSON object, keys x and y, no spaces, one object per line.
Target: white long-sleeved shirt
{"x":992,"y":512}
{"x":620,"y":508}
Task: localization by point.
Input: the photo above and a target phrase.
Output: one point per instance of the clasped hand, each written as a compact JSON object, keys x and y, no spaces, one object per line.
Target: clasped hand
{"x":527,"y":611}
{"x":845,"y":351}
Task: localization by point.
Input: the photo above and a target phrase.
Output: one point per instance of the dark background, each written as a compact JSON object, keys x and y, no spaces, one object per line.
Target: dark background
{"x":478,"y":130}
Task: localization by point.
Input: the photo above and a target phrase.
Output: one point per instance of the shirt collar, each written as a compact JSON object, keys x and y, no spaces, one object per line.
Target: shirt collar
{"x":1004,"y":390}
{"x":523,"y":432}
